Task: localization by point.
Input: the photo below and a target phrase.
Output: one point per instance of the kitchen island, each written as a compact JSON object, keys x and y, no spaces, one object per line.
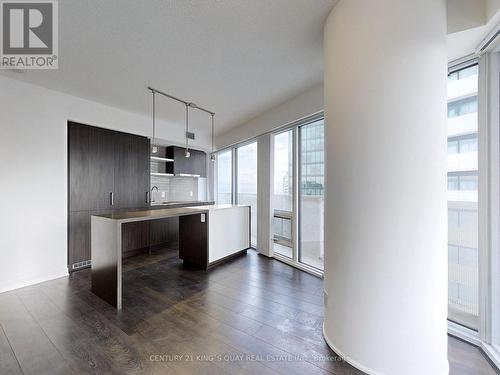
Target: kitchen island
{"x":208,"y":235}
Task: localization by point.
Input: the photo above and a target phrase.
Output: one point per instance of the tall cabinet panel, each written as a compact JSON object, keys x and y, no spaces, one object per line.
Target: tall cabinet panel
{"x":79,"y":167}
{"x":101,"y":171}
{"x":107,"y":170}
{"x":131,"y":172}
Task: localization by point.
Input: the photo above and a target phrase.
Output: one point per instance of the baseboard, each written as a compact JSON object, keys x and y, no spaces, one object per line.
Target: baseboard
{"x":299,"y":266}
{"x":471,"y":337}
{"x":492,"y":355}
{"x":350,"y":360}
{"x":8,"y":286}
{"x":464,"y":334}
{"x":218,"y":262}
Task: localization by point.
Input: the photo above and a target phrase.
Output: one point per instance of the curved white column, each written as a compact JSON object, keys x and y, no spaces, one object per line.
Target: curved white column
{"x":385,"y":206}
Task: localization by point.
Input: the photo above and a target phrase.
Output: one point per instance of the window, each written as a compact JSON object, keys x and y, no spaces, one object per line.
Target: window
{"x":224,"y":177}
{"x":283,"y":193}
{"x":299,"y":195}
{"x":462,"y":107}
{"x":463,"y":301}
{"x":471,"y":71}
{"x":462,"y":181}
{"x":462,"y":144}
{"x":311,"y":194}
{"x":246,"y":167}
{"x":237,"y":183}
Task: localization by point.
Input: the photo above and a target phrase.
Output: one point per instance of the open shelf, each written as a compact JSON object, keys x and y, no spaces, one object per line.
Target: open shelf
{"x":162,"y":174}
{"x":166,"y":160}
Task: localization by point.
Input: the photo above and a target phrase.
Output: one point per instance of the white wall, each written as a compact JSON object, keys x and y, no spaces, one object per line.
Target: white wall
{"x":33,"y":170}
{"x":385,"y":199}
{"x":302,"y":105}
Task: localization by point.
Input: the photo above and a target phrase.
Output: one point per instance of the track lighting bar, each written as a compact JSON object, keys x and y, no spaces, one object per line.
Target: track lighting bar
{"x":190,"y":104}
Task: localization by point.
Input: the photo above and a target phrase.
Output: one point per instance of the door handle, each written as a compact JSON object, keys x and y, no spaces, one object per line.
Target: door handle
{"x":111,"y":199}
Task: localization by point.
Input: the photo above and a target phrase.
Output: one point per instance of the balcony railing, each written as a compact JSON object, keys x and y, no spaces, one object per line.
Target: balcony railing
{"x":465,"y":124}
{"x":462,"y":88}
{"x":463,"y":301}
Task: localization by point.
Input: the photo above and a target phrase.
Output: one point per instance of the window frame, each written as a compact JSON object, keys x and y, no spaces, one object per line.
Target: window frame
{"x":456,"y":329}
{"x":234,"y":173}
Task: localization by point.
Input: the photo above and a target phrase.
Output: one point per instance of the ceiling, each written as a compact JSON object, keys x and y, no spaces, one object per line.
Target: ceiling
{"x":470,"y":31}
{"x":235,"y":57}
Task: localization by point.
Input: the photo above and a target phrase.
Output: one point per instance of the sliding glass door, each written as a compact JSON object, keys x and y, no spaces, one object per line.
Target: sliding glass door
{"x":311,"y":194}
{"x":298,"y":198}
{"x":463,"y":254}
{"x":283,"y":196}
{"x":246,"y":182}
{"x":224,"y":177}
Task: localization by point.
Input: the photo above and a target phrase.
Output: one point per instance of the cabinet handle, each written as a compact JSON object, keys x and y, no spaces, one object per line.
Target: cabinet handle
{"x":147,"y":196}
{"x":111,"y":199}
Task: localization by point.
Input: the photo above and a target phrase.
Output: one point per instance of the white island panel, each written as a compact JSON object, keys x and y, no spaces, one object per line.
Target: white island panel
{"x":229,"y":231}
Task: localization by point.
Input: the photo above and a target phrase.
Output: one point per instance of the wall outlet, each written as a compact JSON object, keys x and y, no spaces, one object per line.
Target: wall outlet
{"x":163,"y":194}
{"x":190,"y":193}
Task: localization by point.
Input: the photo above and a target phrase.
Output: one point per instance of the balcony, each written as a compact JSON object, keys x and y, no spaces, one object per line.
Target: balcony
{"x":462,"y":88}
{"x":463,"y":307}
{"x":461,"y":125}
{"x":466,"y":161}
{"x":311,"y":229}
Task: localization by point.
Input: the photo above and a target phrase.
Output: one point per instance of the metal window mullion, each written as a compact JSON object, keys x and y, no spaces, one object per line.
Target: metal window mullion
{"x":295,"y":202}
{"x":234,"y":179}
{"x":483,"y":208}
{"x":280,"y":129}
{"x":299,"y":191}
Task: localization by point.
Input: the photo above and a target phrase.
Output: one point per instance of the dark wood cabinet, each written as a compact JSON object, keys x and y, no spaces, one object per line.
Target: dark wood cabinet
{"x":135,"y":237}
{"x":193,"y":236}
{"x":199,"y":163}
{"x":78,"y":167}
{"x":131,"y":171}
{"x":107,"y":170}
{"x":90,"y":167}
{"x":196,"y":164}
{"x":78,"y":237}
{"x":101,"y":168}
{"x":162,"y":231}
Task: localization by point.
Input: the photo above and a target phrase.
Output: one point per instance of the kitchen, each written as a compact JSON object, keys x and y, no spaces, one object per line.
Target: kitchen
{"x":114,"y":213}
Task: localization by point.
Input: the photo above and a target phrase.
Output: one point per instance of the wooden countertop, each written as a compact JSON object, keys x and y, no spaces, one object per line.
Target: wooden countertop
{"x":159,"y":213}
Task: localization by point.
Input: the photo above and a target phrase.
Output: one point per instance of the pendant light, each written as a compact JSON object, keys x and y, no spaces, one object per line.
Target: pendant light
{"x":212,"y":155}
{"x":155,"y":149}
{"x":187,"y":154}
{"x":187,"y":104}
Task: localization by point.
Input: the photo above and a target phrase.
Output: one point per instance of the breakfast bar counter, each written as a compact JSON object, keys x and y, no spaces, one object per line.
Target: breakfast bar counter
{"x":208,"y":235}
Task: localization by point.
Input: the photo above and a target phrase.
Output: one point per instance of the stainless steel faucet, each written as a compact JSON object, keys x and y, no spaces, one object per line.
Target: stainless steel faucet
{"x":154,"y":187}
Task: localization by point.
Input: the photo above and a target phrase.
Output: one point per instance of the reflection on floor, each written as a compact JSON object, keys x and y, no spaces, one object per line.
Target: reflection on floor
{"x":283,"y":250}
{"x":252,"y":315}
{"x":310,"y":256}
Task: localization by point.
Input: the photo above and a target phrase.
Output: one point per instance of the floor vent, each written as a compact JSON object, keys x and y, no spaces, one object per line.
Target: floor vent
{"x":78,"y":265}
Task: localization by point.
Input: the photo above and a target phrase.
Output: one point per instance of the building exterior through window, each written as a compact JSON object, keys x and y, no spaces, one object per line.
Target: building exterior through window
{"x":463,"y":304}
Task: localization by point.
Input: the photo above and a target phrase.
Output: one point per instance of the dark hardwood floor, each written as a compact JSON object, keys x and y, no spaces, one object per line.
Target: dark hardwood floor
{"x":250,"y":316}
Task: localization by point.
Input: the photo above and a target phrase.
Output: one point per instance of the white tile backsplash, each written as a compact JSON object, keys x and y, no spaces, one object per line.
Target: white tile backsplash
{"x":171,"y":189}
